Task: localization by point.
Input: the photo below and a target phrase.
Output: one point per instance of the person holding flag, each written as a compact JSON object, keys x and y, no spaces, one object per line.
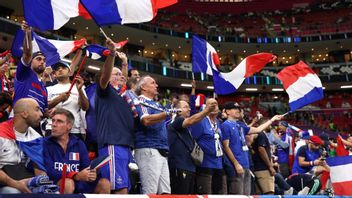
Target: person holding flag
{"x":236,"y":148}
{"x":114,"y":122}
{"x":28,"y":73}
{"x":74,"y":101}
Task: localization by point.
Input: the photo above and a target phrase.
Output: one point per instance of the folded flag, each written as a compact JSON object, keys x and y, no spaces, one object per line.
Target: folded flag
{"x":341,"y":177}
{"x":107,"y":12}
{"x":55,"y":12}
{"x":100,"y":161}
{"x":38,"y":181}
{"x":46,"y":189}
{"x":54,"y":50}
{"x":302,"y":85}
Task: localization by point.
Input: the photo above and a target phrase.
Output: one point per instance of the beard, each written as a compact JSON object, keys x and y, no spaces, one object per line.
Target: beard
{"x":39,"y":69}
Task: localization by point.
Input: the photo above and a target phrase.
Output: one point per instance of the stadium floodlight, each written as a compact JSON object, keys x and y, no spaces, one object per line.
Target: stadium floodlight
{"x":346,"y":86}
{"x":186,"y":85}
{"x":277,"y":89}
{"x":251,"y":89}
{"x":94,"y":67}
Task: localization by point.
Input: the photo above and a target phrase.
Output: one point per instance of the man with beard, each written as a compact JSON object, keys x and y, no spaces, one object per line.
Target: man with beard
{"x":29,"y":70}
{"x":13,"y":159}
{"x":74,"y":101}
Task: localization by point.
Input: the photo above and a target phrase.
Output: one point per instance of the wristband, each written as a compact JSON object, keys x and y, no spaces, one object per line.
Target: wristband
{"x":311,"y":163}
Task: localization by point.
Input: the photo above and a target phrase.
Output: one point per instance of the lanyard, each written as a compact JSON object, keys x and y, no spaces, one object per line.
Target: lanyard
{"x":215,"y":129}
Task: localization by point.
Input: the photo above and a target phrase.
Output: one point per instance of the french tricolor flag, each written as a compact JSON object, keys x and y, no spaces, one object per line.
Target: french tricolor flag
{"x":108,"y":12}
{"x":200,"y":100}
{"x":54,"y":50}
{"x":52,"y":14}
{"x":204,"y":56}
{"x":341,"y":174}
{"x":73,"y":156}
{"x":206,"y":60}
{"x":96,"y":52}
{"x":302,"y":85}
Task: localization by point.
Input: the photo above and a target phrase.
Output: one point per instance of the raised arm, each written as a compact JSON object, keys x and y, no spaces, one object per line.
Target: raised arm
{"x":124,"y":63}
{"x":82,"y":98}
{"x":27,"y":43}
{"x":265,"y":125}
{"x":108,"y":65}
{"x":199,"y":116}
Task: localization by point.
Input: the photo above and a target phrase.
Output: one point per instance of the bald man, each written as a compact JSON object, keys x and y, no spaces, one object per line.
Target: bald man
{"x":13,"y":173}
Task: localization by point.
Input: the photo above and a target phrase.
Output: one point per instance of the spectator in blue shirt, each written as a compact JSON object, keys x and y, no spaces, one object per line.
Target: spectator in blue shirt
{"x":28,"y":82}
{"x":309,"y":158}
{"x":236,"y":149}
{"x":151,"y":140}
{"x":182,"y":169}
{"x":284,"y":149}
{"x":62,"y":148}
{"x":211,"y":178}
{"x":115,"y":124}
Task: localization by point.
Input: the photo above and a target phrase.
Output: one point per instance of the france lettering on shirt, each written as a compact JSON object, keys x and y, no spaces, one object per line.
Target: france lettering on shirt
{"x":70,"y":167}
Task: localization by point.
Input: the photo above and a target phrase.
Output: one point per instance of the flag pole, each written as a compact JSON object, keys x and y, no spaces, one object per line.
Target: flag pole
{"x":102,"y":31}
{"x":285,"y":114}
{"x":63,"y":178}
{"x":78,"y":72}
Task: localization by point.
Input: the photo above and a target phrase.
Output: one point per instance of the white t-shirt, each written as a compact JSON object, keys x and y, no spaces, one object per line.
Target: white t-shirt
{"x":70,"y":104}
{"x":299,"y":144}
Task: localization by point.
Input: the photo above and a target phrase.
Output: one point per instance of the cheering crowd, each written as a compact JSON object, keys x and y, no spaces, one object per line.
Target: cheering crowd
{"x":50,"y":133}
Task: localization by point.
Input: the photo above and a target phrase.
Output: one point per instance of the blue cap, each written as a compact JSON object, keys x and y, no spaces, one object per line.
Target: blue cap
{"x":305,"y":135}
{"x":283,"y":123}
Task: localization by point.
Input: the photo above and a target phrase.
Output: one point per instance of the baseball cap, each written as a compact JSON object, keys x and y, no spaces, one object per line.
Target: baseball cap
{"x":38,"y":53}
{"x":231,"y":105}
{"x":316,"y":140}
{"x":283,"y":123}
{"x":58,"y":64}
{"x":305,"y":135}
